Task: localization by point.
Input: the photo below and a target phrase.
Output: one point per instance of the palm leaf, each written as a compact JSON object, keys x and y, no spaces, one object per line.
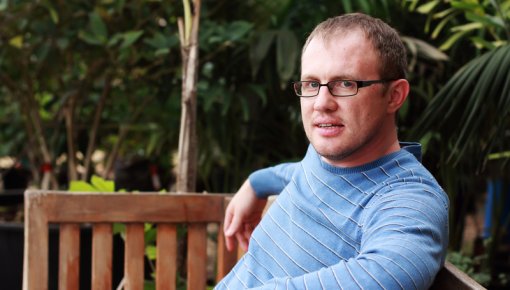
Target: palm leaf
{"x":471,"y":111}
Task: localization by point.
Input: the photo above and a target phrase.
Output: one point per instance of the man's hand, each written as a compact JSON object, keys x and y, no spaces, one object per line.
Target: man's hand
{"x":243,"y":214}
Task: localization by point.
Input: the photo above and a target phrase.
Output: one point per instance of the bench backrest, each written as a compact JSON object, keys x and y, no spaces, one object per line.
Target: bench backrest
{"x":166,"y":211}
{"x":70,"y":210}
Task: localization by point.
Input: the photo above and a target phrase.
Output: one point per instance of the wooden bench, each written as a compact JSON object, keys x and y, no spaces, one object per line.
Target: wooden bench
{"x":70,"y":210}
{"x":450,"y":277}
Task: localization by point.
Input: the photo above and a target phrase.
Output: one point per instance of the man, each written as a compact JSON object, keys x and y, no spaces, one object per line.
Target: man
{"x":359,"y":211}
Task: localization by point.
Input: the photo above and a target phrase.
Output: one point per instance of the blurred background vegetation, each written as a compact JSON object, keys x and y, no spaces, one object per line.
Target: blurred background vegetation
{"x":94,"y":87}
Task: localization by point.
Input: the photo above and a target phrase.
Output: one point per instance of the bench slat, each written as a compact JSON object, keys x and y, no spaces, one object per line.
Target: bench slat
{"x":102,"y":256}
{"x":69,"y":256}
{"x":166,"y":259}
{"x":134,"y":256}
{"x":197,"y":256}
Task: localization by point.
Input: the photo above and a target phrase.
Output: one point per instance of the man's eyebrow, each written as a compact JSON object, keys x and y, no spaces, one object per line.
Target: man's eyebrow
{"x":334,"y":78}
{"x":308,"y":77}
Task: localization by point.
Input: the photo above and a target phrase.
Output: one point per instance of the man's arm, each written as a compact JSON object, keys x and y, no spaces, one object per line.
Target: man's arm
{"x":244,"y":211}
{"x":403,"y":247}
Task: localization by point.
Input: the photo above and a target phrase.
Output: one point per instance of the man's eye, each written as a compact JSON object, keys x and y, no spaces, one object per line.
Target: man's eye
{"x":310,"y":85}
{"x":313,"y":84}
{"x":346,"y":84}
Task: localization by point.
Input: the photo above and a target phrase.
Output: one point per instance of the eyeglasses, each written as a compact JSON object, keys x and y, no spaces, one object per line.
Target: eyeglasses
{"x":339,"y":88}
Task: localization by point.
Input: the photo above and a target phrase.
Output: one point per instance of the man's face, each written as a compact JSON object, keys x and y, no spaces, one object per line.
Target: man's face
{"x":346,"y":131}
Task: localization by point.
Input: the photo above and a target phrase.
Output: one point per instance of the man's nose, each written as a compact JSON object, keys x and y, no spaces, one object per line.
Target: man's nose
{"x":325,"y":101}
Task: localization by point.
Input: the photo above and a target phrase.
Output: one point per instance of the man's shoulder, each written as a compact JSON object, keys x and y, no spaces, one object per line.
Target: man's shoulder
{"x":406,"y":177}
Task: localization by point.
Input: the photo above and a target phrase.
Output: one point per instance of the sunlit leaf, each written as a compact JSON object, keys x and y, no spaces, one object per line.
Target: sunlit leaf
{"x":467,"y":5}
{"x":81,"y":186}
{"x":16,"y":41}
{"x":102,"y":184}
{"x":486,"y":20}
{"x":467,"y":27}
{"x":481,"y":43}
{"x":439,"y":28}
{"x":428,"y":7}
{"x":151,"y":252}
{"x":444,"y":13}
{"x":452,"y":40}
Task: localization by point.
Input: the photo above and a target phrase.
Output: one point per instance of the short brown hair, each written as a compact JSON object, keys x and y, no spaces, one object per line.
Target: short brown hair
{"x":384,"y":38}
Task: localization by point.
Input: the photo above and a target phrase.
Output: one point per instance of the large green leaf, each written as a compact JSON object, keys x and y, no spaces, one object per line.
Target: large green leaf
{"x":259,"y":49}
{"x":287,"y":51}
{"x":98,"y":27}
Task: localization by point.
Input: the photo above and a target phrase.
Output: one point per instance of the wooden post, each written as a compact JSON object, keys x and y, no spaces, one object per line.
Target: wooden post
{"x":187,"y":155}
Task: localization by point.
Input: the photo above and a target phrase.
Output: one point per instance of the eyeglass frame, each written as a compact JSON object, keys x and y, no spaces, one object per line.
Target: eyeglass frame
{"x":359,"y":84}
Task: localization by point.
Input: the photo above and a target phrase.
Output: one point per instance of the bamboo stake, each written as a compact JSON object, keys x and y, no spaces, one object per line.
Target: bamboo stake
{"x":187,"y":156}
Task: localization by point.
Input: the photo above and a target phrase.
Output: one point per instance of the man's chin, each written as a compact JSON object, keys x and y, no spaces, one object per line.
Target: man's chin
{"x":333,"y":154}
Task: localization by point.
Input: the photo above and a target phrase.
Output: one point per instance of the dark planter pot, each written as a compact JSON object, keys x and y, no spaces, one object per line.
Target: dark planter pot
{"x":11,"y":257}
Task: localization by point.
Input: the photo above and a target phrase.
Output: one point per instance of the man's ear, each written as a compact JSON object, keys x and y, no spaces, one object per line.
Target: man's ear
{"x":398,"y":92}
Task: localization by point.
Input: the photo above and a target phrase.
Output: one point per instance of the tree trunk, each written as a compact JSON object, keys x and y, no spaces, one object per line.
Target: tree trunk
{"x":70,"y":133}
{"x":33,"y":124}
{"x":95,"y":127}
{"x":123,"y":130}
{"x":187,"y":155}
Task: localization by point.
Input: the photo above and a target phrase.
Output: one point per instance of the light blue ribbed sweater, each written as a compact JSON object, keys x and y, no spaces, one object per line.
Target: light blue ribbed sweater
{"x":382,"y":225}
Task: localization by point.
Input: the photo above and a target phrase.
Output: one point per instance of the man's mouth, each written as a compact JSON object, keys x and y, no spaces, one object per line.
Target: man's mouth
{"x":329,"y":129}
{"x":326,"y":125}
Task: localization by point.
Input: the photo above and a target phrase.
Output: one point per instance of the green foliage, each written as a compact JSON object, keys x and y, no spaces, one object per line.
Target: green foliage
{"x":465,"y":122}
{"x":97,"y":184}
{"x":484,"y":23}
{"x":470,"y":265}
{"x":74,"y":52}
{"x":482,"y":87}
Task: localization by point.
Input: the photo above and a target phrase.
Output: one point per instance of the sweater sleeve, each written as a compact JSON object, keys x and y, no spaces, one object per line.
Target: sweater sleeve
{"x":403,"y":247}
{"x":272,"y":180}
